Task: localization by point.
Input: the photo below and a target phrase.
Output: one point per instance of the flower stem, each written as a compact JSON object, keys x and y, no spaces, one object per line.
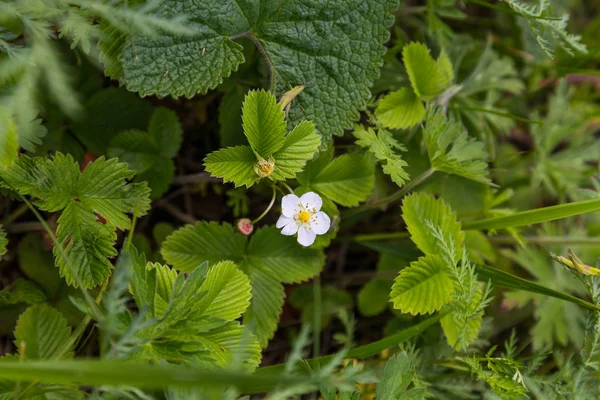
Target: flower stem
{"x":393,"y":197}
{"x":261,"y":216}
{"x":288,"y":187}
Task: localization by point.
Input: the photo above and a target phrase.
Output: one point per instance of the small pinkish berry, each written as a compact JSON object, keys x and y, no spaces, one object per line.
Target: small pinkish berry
{"x":244,"y":226}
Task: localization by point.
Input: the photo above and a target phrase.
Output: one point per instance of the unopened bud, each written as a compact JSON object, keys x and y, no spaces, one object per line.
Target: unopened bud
{"x":244,"y":226}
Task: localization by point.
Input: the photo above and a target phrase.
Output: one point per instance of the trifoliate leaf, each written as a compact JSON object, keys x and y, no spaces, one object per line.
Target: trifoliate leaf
{"x":451,"y":150}
{"x":9,"y":140}
{"x":150,"y":153}
{"x":424,"y":287}
{"x":428,"y":78}
{"x":42,"y":334}
{"x":94,"y":202}
{"x":268,"y":258}
{"x":347,"y":179}
{"x":264,"y":122}
{"x":233,"y":164}
{"x":400,"y":109}
{"x":3,"y":241}
{"x":383,"y":146}
{"x":298,"y":51}
{"x":421,"y":209}
{"x":298,"y":147}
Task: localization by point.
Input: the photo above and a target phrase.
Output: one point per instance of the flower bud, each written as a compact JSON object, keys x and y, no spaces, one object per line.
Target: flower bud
{"x":244,"y":226}
{"x":264,"y":168}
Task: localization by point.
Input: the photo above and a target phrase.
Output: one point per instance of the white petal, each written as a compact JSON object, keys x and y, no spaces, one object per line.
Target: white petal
{"x":290,"y":205}
{"x":290,"y":228}
{"x":306,"y":237}
{"x":320,"y":223}
{"x":310,"y":201}
{"x":283,"y":221}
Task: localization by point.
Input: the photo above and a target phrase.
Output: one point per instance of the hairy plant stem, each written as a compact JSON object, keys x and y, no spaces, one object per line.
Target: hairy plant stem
{"x":393,"y":197}
{"x":261,"y":216}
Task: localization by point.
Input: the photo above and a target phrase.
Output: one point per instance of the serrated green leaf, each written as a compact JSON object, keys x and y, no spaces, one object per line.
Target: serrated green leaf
{"x":190,"y":246}
{"x":428,"y":78}
{"x":233,"y":164}
{"x":42,"y":334}
{"x":94,"y":202}
{"x":347,"y":179}
{"x":227,"y":292}
{"x":269,"y":259}
{"x":3,"y":242}
{"x":298,"y":50}
{"x":298,"y":147}
{"x":424,"y":287}
{"x":461,"y":336}
{"x":400,"y":109}
{"x":9,"y":140}
{"x":267,"y":303}
{"x":282,"y":257}
{"x":383,"y":146}
{"x":419,"y":209}
{"x":264,"y":122}
{"x":451,"y":150}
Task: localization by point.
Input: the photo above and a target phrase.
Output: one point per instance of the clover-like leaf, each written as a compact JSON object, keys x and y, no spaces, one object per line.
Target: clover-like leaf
{"x":298,"y":50}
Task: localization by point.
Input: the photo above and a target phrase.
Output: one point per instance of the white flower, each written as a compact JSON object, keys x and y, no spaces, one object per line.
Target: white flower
{"x":303,"y":215}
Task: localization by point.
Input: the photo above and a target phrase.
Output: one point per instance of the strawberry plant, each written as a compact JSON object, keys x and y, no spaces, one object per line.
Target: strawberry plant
{"x":299,"y":199}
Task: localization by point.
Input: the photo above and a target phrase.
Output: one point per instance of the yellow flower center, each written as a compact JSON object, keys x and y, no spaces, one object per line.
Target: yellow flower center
{"x":304,"y":216}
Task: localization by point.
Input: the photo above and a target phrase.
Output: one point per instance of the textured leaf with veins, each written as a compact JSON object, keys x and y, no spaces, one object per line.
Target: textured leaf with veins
{"x":301,"y":40}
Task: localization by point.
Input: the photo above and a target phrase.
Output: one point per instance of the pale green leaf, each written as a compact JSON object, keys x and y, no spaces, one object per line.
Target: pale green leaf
{"x":9,"y":140}
{"x":419,"y":209}
{"x":426,"y":77}
{"x":400,"y":109}
{"x":233,"y":164}
{"x":42,"y":334}
{"x":461,"y":336}
{"x":3,"y":241}
{"x":424,"y":287}
{"x":299,"y":146}
{"x":347,"y":179}
{"x":383,"y":146}
{"x":299,"y":50}
{"x":264,"y":122}
{"x":227,"y":292}
{"x":451,"y":150}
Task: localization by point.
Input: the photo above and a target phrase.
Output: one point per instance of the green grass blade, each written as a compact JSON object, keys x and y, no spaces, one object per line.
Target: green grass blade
{"x":143,"y":376}
{"x":535,"y":216}
{"x":508,"y":281}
